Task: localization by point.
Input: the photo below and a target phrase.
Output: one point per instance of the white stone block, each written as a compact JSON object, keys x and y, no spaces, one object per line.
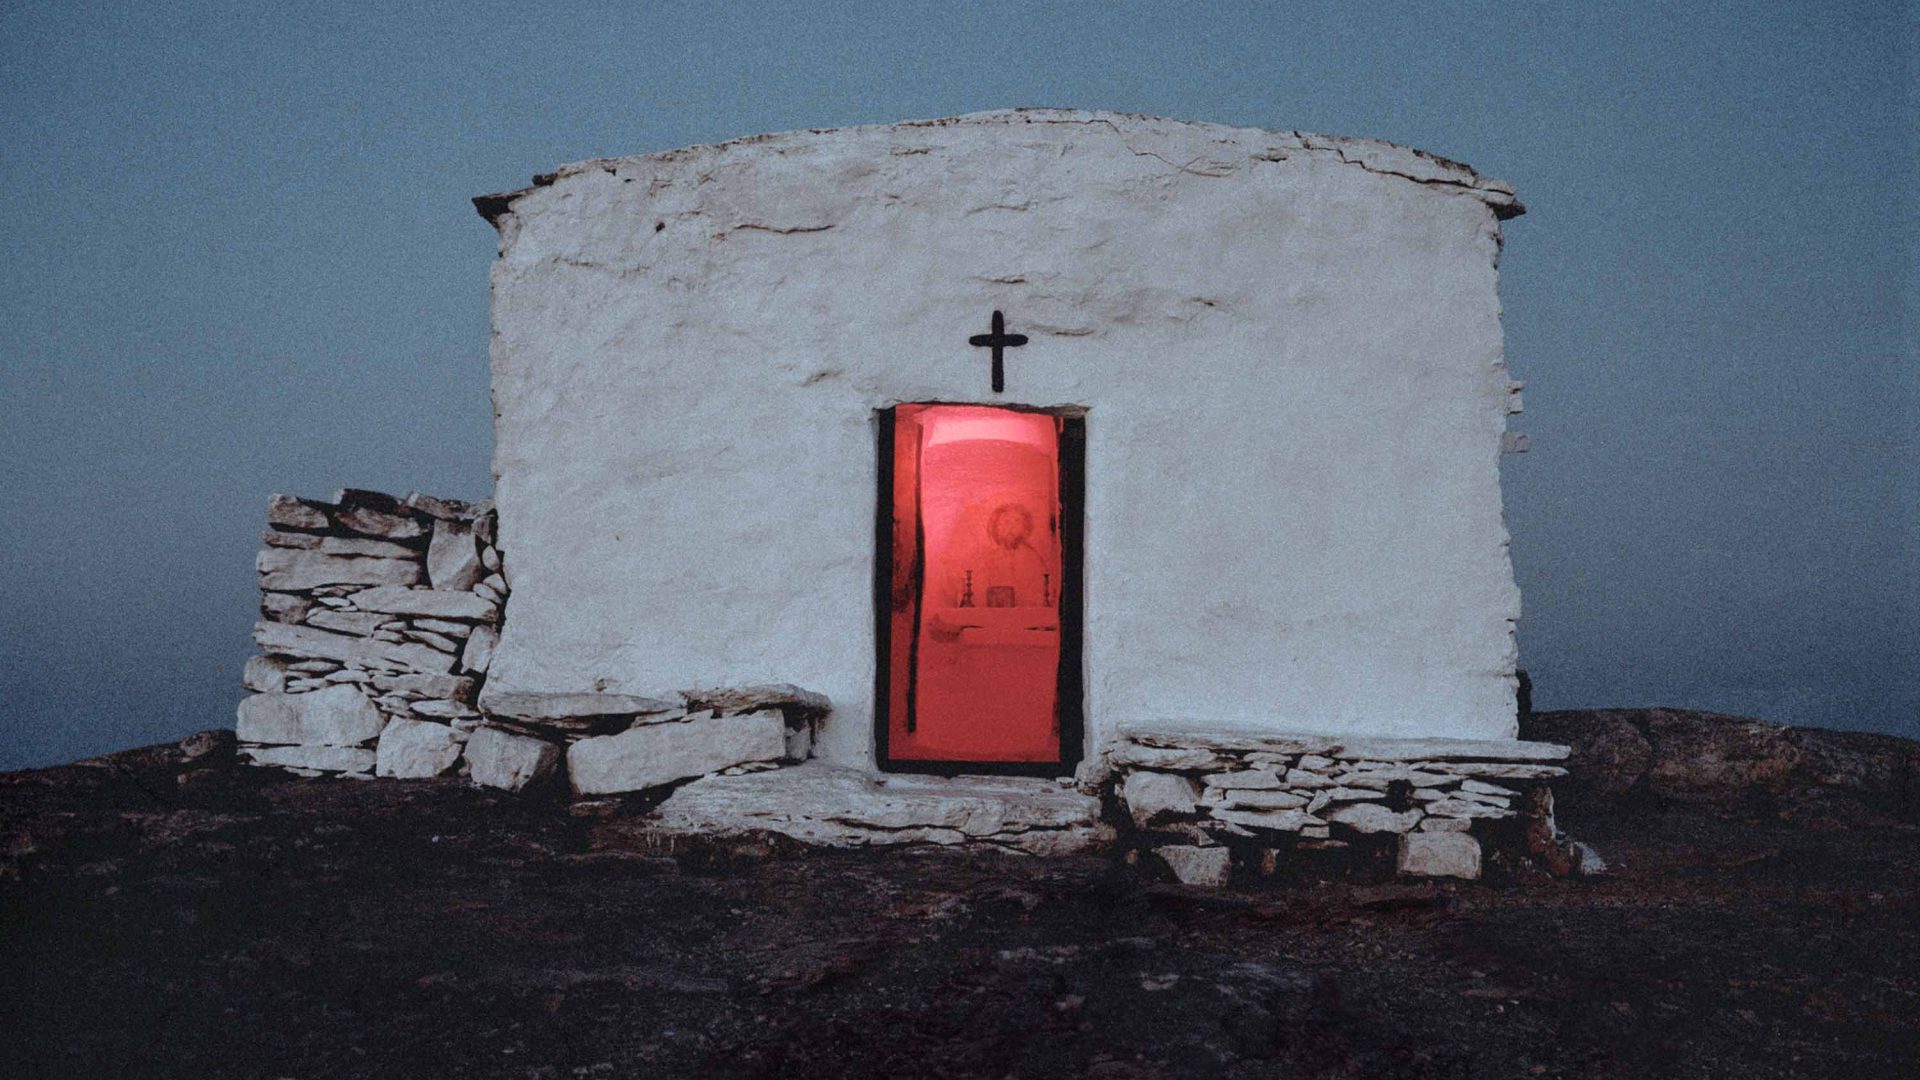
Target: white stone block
{"x":654,"y":754}
{"x":437,"y":603}
{"x":1211,"y":867}
{"x":1439,"y":854}
{"x":444,"y":710}
{"x":416,"y":750}
{"x":291,"y":568}
{"x":840,"y":807}
{"x":1154,"y":797}
{"x":500,"y":759}
{"x":1276,"y":820}
{"x":1371,"y":817}
{"x":1466,"y":808}
{"x":345,"y":759}
{"x":328,"y":716}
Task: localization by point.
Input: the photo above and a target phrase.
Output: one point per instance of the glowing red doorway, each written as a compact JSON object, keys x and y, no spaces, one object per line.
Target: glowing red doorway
{"x":980,"y":607}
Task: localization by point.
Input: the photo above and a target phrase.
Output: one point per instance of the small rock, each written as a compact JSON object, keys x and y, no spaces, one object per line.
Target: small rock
{"x":444,"y":710}
{"x":1586,"y":861}
{"x":306,"y":641}
{"x":478,"y":653}
{"x":1465,"y":808}
{"x":204,"y":743}
{"x":359,"y":545}
{"x":1250,"y":799}
{"x":498,"y":759}
{"x":438,"y":641}
{"x":1153,"y":797}
{"x":416,"y":750}
{"x":444,"y":509}
{"x":1246,"y":779}
{"x":264,"y":674}
{"x":1276,"y":820}
{"x":1478,"y":787}
{"x":449,"y":687}
{"x":1301,"y":778}
{"x":285,"y":607}
{"x":359,"y":623}
{"x":287,"y":512}
{"x":533,"y":705}
{"x":276,"y":538}
{"x":434,"y":603}
{"x":1211,"y":867}
{"x":347,"y":759}
{"x":1439,"y":854}
{"x":292,"y":569}
{"x":1445,"y":824}
{"x":370,"y":522}
{"x":1371,"y":817}
{"x":453,"y":560}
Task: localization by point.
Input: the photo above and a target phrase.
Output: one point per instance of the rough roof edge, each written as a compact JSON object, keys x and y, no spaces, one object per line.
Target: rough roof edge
{"x":1372,"y":155}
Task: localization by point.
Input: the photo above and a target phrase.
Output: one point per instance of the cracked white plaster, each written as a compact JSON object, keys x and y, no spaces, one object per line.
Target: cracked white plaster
{"x":1288,"y":347}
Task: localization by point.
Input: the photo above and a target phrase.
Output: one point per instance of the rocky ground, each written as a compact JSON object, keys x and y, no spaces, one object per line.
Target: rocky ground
{"x":167,"y":917}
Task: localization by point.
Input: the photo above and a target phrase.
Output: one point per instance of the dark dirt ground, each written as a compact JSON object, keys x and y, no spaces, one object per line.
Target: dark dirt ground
{"x":248,"y":924}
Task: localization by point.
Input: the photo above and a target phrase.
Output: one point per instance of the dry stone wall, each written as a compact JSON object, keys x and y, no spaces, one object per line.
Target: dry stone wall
{"x":379,"y":620}
{"x":379,"y":616}
{"x":1202,"y":803}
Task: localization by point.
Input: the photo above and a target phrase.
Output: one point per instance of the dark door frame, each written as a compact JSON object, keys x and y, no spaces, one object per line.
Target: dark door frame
{"x":1070,"y":701}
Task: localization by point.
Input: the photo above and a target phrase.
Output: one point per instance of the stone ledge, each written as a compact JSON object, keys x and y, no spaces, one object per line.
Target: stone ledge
{"x":843,"y":807}
{"x":1352,"y":747}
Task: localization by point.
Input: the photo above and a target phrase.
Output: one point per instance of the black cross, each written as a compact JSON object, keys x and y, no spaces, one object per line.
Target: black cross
{"x":998,"y":341}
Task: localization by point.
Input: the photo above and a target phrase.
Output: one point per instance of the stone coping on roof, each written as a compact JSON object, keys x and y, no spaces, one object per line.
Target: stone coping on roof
{"x":1229,"y":148}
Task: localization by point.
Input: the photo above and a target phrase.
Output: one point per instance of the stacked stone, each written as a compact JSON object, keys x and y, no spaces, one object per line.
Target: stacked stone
{"x":619,"y":743}
{"x":1193,"y":798}
{"x":380,"y":616}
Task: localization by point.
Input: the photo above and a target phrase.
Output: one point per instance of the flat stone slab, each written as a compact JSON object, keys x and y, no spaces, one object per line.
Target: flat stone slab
{"x":840,"y":807}
{"x":651,"y":755}
{"x":533,"y":705}
{"x":433,"y":603}
{"x":1350,"y":747}
{"x":335,"y":716}
{"x":305,"y":641}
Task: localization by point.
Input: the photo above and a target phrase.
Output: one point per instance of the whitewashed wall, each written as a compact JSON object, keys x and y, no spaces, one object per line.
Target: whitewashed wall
{"x":1289,"y":345}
